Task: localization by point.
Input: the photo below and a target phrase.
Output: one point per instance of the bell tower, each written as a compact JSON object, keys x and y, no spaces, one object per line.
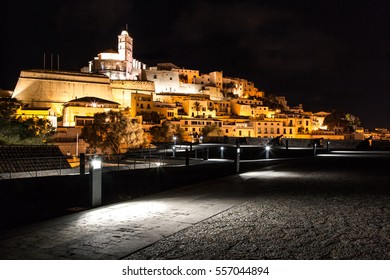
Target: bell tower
{"x":125,"y":50}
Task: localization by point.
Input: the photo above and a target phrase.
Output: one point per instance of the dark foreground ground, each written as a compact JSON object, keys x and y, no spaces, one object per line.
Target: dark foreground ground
{"x":329,"y":207}
{"x":333,"y":206}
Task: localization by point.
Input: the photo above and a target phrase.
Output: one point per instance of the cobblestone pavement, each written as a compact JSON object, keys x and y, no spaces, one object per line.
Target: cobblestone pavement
{"x":312,"y":208}
{"x":338,"y":211}
{"x":280,"y":226}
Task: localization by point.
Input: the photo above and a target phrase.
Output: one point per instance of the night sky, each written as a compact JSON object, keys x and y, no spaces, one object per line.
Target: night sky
{"x":324,"y":54}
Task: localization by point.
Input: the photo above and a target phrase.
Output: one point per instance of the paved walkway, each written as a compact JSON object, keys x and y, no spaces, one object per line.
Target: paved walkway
{"x":115,"y":231}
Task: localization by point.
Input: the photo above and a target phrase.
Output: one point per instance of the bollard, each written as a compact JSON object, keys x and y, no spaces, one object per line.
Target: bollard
{"x":187,"y":158}
{"x":205,"y":154}
{"x":82,"y":164}
{"x":95,"y":181}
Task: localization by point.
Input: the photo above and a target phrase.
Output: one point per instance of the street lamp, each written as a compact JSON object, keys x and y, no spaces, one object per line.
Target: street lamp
{"x":201,"y":139}
{"x":267,"y":149}
{"x":174,"y":146}
{"x":173,"y":151}
{"x":95,"y":183}
{"x":222,"y":149}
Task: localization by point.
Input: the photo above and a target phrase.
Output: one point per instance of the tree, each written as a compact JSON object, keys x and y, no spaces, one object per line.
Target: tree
{"x":21,"y":131}
{"x":8,"y":107}
{"x":183,"y":78}
{"x":347,"y":122}
{"x":115,"y":131}
{"x":197,"y":106}
{"x":35,"y":127}
{"x":211,"y":130}
{"x":150,"y":117}
{"x":165,"y":132}
{"x":228,"y":90}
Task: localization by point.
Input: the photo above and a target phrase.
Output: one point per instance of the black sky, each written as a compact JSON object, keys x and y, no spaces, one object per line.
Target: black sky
{"x":325,"y":54}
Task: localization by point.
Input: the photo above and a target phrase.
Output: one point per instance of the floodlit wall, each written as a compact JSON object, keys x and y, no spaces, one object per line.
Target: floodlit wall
{"x":123,"y":90}
{"x":44,"y":88}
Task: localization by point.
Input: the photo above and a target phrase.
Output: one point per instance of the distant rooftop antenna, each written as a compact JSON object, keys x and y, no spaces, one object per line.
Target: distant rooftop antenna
{"x":127,"y":27}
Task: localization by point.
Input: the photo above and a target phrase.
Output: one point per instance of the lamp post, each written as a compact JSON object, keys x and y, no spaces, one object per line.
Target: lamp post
{"x":201,"y":139}
{"x":174,"y":146}
{"x":95,"y":181}
{"x":222,"y":150}
{"x":238,"y":157}
{"x":267,"y":149}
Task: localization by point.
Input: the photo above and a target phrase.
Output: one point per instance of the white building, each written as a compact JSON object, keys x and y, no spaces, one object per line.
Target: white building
{"x":117,"y":65}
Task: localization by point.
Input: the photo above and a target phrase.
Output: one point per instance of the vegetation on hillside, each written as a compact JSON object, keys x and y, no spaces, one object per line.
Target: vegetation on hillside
{"x":23,"y":131}
{"x":338,"y":119}
{"x":166,"y":132}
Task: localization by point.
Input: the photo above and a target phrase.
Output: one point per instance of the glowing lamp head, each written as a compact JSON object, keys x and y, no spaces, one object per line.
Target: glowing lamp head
{"x":267,"y":148}
{"x":222,"y":148}
{"x":96,"y":163}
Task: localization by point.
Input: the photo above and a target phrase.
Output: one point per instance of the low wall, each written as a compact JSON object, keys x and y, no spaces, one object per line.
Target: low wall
{"x":29,"y":200}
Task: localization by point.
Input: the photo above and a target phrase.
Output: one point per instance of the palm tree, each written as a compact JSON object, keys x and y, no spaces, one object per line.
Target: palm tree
{"x":197,"y":107}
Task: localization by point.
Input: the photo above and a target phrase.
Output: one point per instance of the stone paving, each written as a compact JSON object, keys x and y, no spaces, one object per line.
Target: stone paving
{"x":313,"y":208}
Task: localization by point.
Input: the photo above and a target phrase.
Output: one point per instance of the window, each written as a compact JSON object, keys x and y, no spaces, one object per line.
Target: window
{"x":239,"y":133}
{"x":154,"y":76}
{"x":88,"y":122}
{"x":259,"y":130}
{"x":272,"y":130}
{"x":265,"y":130}
{"x":227,"y":131}
{"x":290,"y":130}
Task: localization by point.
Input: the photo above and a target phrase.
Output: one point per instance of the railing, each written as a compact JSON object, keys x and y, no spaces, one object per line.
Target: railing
{"x":138,"y":159}
{"x":33,"y":167}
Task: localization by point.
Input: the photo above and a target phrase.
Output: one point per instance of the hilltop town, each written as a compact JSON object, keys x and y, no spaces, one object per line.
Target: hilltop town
{"x":190,"y":100}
